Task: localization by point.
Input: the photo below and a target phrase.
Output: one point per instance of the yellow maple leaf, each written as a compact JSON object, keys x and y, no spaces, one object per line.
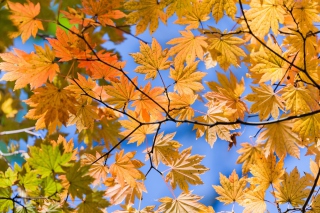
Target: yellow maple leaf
{"x":315,"y":206}
{"x":226,"y":47}
{"x":231,"y":189}
{"x":118,"y":193}
{"x":215,"y":114}
{"x":254,"y":201}
{"x":308,"y":127}
{"x":122,"y":92}
{"x":184,"y":203}
{"x":314,"y":167}
{"x":52,"y":106}
{"x":179,"y":7}
{"x":305,"y":13}
{"x":266,"y":171}
{"x":141,"y":133}
{"x":180,"y":105}
{"x":125,"y":169}
{"x":219,"y":6}
{"x":80,"y":86}
{"x":264,"y":15}
{"x":298,"y":99}
{"x":279,"y":138}
{"x":165,"y":149}
{"x":185,"y":169}
{"x":97,"y":170}
{"x":187,"y":79}
{"x":151,"y":58}
{"x":194,"y":16}
{"x":23,"y":16}
{"x":266,"y":101}
{"x":248,"y":156}
{"x":188,"y":47}
{"x":229,"y":92}
{"x":268,"y":65}
{"x":293,"y":188}
{"x":144,"y":13}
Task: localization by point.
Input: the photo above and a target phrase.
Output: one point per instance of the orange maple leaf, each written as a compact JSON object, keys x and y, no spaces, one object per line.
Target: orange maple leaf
{"x":52,"y":106}
{"x":24,"y":17}
{"x":103,"y":10}
{"x":33,"y":68}
{"x":125,"y":169}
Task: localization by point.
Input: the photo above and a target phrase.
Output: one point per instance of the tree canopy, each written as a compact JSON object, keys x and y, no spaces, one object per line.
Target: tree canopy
{"x":75,"y":103}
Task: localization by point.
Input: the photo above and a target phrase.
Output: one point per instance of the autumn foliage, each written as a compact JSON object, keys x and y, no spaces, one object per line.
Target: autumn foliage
{"x":266,"y":81}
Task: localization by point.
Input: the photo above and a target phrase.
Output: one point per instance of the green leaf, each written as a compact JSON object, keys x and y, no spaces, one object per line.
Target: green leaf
{"x":5,"y":200}
{"x":77,"y":180}
{"x":93,"y":203}
{"x":8,"y":178}
{"x":48,"y":159}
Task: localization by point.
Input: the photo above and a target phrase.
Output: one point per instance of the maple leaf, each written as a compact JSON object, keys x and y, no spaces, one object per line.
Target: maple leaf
{"x":265,"y":101}
{"x":315,"y":206}
{"x":184,"y":203}
{"x":265,"y":15}
{"x":151,"y":58}
{"x":229,"y":93}
{"x":69,"y":46}
{"x":149,"y":106}
{"x":231,"y":189}
{"x":298,"y":99}
{"x":145,"y":12}
{"x":98,"y":170}
{"x":93,"y":202}
{"x":165,"y":149}
{"x":254,"y":201}
{"x":76,"y":181}
{"x":269,"y":65}
{"x":107,"y":68}
{"x":118,"y":193}
{"x":33,"y":69}
{"x":81,"y":86}
{"x":122,"y":92}
{"x":51,"y":105}
{"x":305,"y":13}
{"x":140,"y":134}
{"x":187,"y":79}
{"x":188,"y":47}
{"x":8,"y":178}
{"x":6,"y":204}
{"x":103,"y":10}
{"x":194,"y":16}
{"x":248,"y":155}
{"x":213,"y":115}
{"x":265,"y":171}
{"x":23,"y":16}
{"x":178,"y":6}
{"x":48,"y":160}
{"x":314,"y":168}
{"x":307,"y":127}
{"x":180,"y":105}
{"x":126,"y":169}
{"x":225,"y":46}
{"x":130,"y":209}
{"x":185,"y":169}
{"x":279,"y":138}
{"x":219,"y":6}
{"x":293,"y":188}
